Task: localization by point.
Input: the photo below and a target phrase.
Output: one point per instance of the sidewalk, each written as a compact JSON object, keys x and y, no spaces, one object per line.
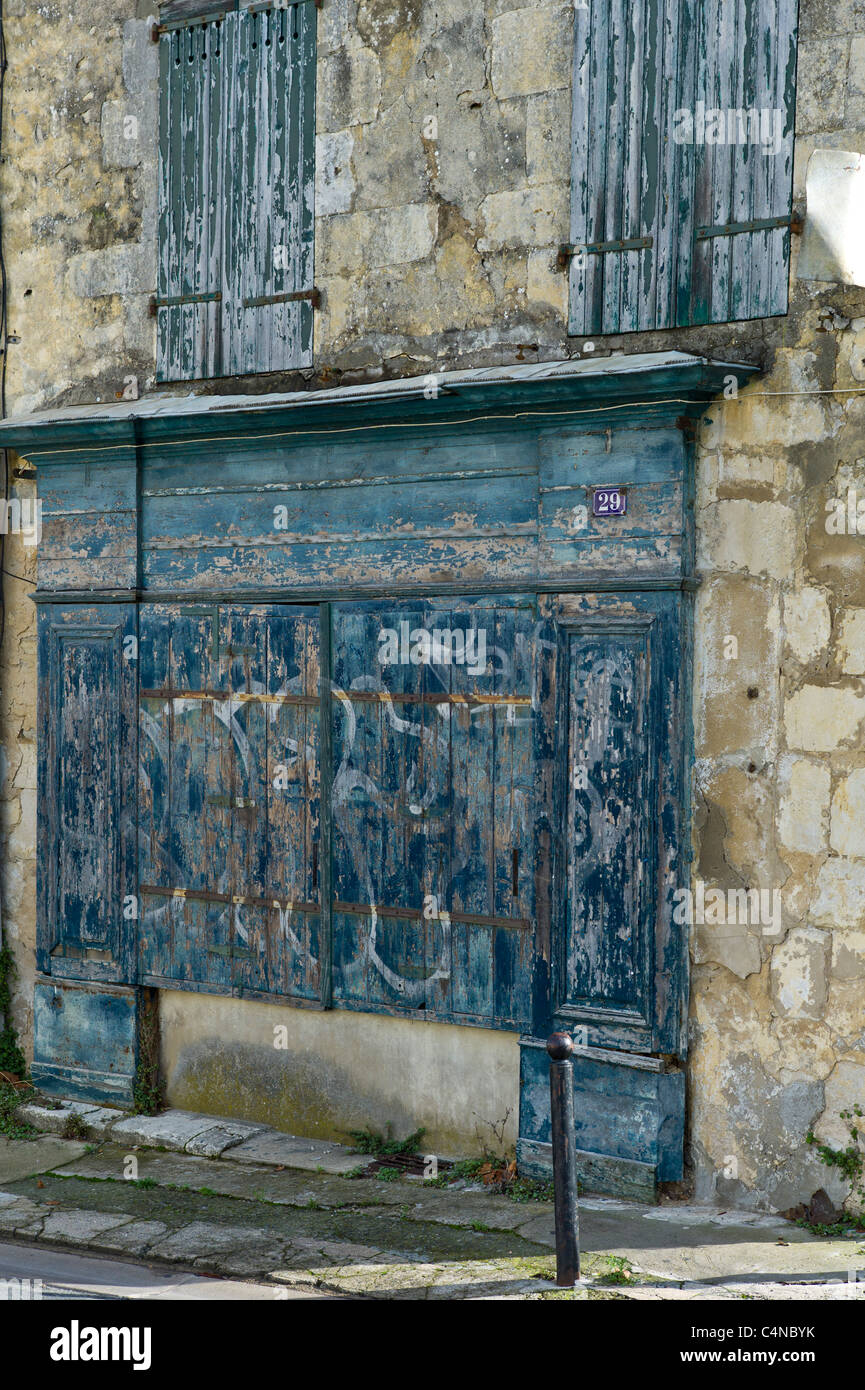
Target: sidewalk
{"x":221,"y":1197}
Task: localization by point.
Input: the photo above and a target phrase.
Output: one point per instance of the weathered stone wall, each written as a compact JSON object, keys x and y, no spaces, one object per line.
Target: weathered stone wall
{"x":778,"y":1008}
{"x":442,"y":194}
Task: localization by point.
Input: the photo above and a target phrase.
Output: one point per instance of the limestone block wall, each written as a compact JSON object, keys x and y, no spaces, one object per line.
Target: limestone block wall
{"x":441,"y":197}
{"x":778,"y":1006}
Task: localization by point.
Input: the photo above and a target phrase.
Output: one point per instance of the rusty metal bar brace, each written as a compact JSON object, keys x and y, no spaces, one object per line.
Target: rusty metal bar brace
{"x":758,"y":224}
{"x":274,"y":901}
{"x":600,"y":248}
{"x":260,"y":301}
{"x":471,"y":919}
{"x":172,"y":301}
{"x":560,"y":1046}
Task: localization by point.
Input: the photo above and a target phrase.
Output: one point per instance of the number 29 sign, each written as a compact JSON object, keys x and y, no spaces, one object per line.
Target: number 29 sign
{"x":609,"y":501}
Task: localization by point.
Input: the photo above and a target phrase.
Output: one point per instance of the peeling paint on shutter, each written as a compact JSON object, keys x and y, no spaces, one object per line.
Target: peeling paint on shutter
{"x":236,"y":193}
{"x":746,"y":67}
{"x":271,"y":212}
{"x":609,"y":957}
{"x":626,"y":172}
{"x":193,"y":82}
{"x":434,"y":812}
{"x":651,"y":202}
{"x":228,"y":812}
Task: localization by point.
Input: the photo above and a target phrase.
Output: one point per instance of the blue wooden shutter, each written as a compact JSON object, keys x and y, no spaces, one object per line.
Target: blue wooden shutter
{"x":610,"y":896}
{"x":746,"y":62}
{"x":650,"y":204}
{"x":228,"y":814}
{"x":237,"y":150}
{"x":87,"y":669}
{"x":270,"y":199}
{"x":195,"y":81}
{"x":434,"y":812}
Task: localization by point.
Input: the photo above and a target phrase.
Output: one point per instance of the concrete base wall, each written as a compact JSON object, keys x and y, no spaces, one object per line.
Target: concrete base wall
{"x":323,"y":1074}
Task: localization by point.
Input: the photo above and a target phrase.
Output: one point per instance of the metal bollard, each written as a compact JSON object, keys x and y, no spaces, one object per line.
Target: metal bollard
{"x":560,"y":1046}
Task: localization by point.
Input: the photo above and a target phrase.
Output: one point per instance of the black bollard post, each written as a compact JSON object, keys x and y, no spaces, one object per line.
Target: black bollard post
{"x":560,"y":1047}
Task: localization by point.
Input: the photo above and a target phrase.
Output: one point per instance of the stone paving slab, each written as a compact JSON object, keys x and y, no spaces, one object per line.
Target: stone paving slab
{"x":259,"y":1183}
{"x":24,"y":1159}
{"x":286,"y":1150}
{"x":212,"y":1143}
{"x":80,"y":1227}
{"x":208,"y":1136}
{"x":762,"y":1292}
{"x":21,"y":1216}
{"x":177,"y":1129}
{"x":97,"y":1119}
{"x":200,"y":1240}
{"x":133,"y":1238}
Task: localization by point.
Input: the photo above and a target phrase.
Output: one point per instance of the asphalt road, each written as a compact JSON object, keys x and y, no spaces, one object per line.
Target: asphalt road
{"x":66,"y":1275}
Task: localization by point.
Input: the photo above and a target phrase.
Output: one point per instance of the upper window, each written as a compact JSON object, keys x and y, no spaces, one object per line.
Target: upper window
{"x":681,"y":186}
{"x":236,"y":178}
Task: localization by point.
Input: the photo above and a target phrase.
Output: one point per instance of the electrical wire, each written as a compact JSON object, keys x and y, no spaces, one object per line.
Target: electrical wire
{"x":425,"y":424}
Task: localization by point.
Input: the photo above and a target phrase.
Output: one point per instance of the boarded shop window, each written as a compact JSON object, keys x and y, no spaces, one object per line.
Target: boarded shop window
{"x":682,"y":162}
{"x":236,"y":175}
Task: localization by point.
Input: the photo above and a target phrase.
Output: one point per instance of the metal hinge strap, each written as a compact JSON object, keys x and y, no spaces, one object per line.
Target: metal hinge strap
{"x":172,"y":301}
{"x":260,"y":301}
{"x":757,"y":224}
{"x":600,"y":248}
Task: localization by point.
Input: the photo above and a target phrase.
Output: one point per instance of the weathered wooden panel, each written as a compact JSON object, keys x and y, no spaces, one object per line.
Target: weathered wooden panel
{"x":682,"y":140}
{"x":281,"y":532}
{"x":195,"y":80}
{"x":746,"y":74}
{"x":87,"y":675}
{"x":629,"y":1120}
{"x":235,"y":193}
{"x":609,"y":917}
{"x":89,"y":523}
{"x":270,"y":202}
{"x":620,"y":959}
{"x":629,"y":179}
{"x":434,"y":808}
{"x":85,"y":1041}
{"x":470,"y":512}
{"x":228,"y":817}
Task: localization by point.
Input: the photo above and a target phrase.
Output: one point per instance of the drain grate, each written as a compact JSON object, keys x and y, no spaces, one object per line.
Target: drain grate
{"x":411,"y":1165}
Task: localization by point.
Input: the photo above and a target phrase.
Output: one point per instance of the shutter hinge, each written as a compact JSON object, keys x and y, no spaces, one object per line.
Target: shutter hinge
{"x":172,"y":301}
{"x":757,"y":224}
{"x":600,"y":248}
{"x":262,"y":300}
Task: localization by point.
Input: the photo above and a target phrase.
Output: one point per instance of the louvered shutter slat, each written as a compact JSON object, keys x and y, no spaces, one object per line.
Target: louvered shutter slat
{"x":746,"y":68}
{"x":189,"y":280}
{"x":237,"y":169}
{"x":670,"y":228}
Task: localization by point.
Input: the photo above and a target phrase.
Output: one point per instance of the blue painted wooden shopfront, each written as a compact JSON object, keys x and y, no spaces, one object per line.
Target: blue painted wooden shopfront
{"x":348,"y":701}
